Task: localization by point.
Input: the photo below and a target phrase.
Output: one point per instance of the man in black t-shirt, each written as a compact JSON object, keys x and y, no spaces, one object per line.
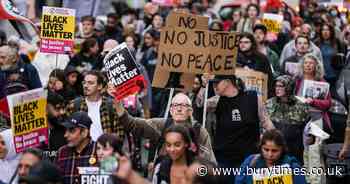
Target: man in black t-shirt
{"x":239,"y":116}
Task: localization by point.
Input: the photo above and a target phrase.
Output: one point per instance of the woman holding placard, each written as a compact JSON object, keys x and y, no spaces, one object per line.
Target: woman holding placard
{"x":315,"y":90}
{"x":271,"y":164}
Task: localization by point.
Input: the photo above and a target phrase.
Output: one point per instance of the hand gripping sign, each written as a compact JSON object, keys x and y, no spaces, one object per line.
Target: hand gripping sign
{"x":123,"y":72}
{"x":28,"y":118}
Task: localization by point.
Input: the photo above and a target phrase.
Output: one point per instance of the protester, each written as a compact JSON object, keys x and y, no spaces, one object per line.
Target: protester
{"x":113,"y":28}
{"x":289,"y":49}
{"x":251,"y":18}
{"x":80,"y":150}
{"x":8,"y":157}
{"x":88,"y":26}
{"x":55,"y":117}
{"x":181,"y":113}
{"x":13,"y":70}
{"x":29,"y":158}
{"x":149,"y":58}
{"x":99,"y":108}
{"x":157,"y":23}
{"x":179,"y":155}
{"x":273,"y":152}
{"x":330,"y":46}
{"x":249,"y":57}
{"x":108,"y":45}
{"x":85,"y":60}
{"x":289,"y":115}
{"x":302,"y":45}
{"x":42,"y":172}
{"x":239,"y":116}
{"x":108,"y":146}
{"x":73,"y":82}
{"x":312,"y":69}
{"x":260,"y":32}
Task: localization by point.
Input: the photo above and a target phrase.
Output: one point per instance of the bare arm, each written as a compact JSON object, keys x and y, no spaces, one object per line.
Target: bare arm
{"x":263,"y":116}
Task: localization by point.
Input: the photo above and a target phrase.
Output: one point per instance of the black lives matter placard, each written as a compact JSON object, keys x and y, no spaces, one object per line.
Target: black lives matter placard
{"x":123,"y":72}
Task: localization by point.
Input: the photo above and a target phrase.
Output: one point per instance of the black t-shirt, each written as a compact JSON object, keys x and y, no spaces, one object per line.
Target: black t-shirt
{"x":237,"y":126}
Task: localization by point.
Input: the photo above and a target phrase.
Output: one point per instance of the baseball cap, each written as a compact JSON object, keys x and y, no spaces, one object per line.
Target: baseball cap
{"x":78,"y":119}
{"x":42,"y":173}
{"x":219,"y":78}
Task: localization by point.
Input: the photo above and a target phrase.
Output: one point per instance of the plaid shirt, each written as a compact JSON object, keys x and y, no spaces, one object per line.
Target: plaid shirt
{"x":108,"y":125}
{"x":68,"y":161}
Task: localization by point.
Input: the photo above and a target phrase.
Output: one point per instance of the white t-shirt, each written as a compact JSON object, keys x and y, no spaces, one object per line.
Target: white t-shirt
{"x":94,"y":113}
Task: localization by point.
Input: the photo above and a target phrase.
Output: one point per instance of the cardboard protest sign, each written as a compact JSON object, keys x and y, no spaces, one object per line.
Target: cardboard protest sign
{"x":280,"y":174}
{"x":253,"y":80}
{"x":179,"y":19}
{"x":123,"y":72}
{"x":273,"y":22}
{"x":57,"y":30}
{"x":28,"y":118}
{"x":197,"y":51}
{"x":186,"y":20}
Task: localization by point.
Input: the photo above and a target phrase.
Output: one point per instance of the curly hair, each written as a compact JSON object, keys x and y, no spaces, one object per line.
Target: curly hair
{"x":319,"y":70}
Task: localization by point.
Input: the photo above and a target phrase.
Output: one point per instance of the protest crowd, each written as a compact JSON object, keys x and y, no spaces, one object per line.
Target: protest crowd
{"x":155,"y":91}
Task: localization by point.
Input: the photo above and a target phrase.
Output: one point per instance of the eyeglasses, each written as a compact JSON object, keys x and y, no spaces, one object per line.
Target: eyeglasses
{"x":181,"y":105}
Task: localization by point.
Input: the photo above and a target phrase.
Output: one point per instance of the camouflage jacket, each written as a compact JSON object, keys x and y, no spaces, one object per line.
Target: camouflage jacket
{"x":294,"y":112}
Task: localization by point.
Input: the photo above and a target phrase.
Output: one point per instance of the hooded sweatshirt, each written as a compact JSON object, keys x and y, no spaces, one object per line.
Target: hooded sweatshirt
{"x":9,"y":164}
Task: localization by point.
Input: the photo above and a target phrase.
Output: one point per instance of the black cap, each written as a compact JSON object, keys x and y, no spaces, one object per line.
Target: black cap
{"x":219,"y":78}
{"x":78,"y":119}
{"x":42,"y":173}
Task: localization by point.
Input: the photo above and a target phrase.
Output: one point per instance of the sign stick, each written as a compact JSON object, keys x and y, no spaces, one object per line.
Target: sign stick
{"x":205,"y":104}
{"x":171,"y":93}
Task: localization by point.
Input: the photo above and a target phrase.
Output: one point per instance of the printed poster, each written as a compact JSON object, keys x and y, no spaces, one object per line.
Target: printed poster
{"x":57,"y":30}
{"x":273,"y":22}
{"x":123,"y":72}
{"x":279,"y":174}
{"x":315,"y":89}
{"x":28,"y":118}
